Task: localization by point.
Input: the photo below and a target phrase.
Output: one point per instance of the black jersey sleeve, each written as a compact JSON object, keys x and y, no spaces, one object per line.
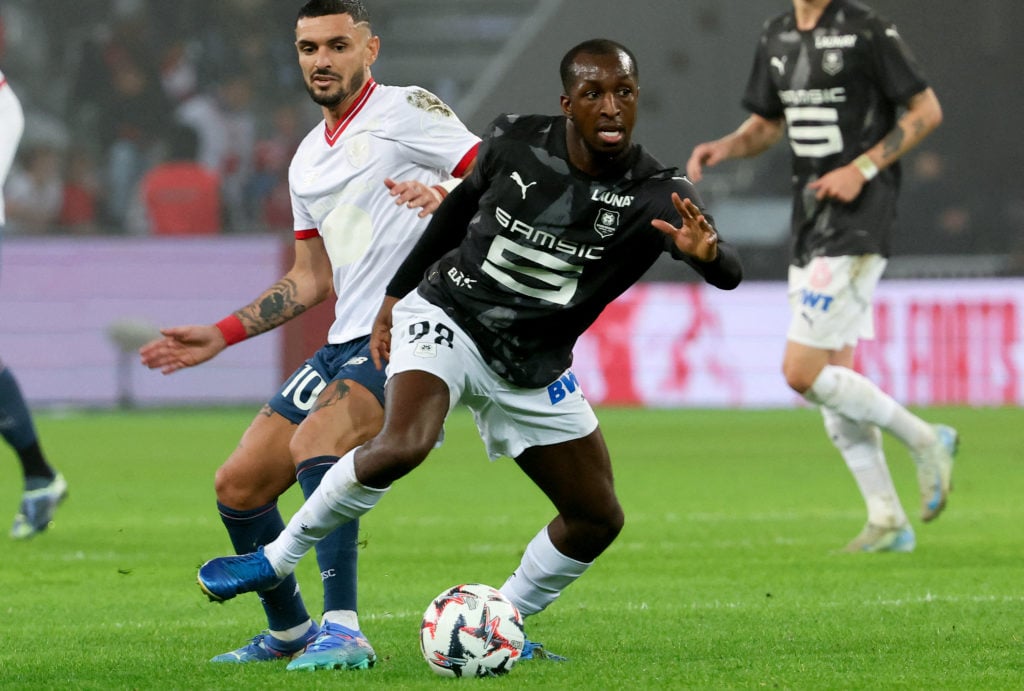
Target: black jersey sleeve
{"x":761,"y":96}
{"x":901,"y":76}
{"x":445,"y":231}
{"x":724,"y":272}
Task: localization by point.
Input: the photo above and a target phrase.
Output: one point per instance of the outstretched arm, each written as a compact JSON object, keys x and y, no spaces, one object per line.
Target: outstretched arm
{"x":754,"y":136}
{"x":306,"y":284}
{"x":845,"y":183}
{"x":697,"y":240}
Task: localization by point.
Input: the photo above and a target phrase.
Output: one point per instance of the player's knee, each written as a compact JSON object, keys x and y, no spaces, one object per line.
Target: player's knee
{"x":798,"y":378}
{"x":232,"y":489}
{"x":613,"y":522}
{"x":604,"y":524}
{"x":307,"y":444}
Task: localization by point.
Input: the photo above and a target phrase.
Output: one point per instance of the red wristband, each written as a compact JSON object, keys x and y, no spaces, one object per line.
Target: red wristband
{"x":232,"y":330}
{"x":440,"y":190}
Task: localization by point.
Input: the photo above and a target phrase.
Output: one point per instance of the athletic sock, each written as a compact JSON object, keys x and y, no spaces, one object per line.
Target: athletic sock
{"x":338,"y":499}
{"x":337,"y":553}
{"x":293,"y":634}
{"x":860,"y":445}
{"x":17,"y":429}
{"x":543,"y":574}
{"x":856,"y":397}
{"x":253,"y":528}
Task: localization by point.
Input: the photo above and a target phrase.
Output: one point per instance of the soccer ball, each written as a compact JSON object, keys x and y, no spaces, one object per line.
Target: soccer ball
{"x":471,"y":630}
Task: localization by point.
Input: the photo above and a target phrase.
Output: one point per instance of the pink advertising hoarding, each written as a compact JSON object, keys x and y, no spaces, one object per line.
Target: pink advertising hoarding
{"x":660,"y":344}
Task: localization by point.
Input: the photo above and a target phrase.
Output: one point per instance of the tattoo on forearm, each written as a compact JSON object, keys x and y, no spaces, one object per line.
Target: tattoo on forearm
{"x":273,"y":308}
{"x":892,"y":142}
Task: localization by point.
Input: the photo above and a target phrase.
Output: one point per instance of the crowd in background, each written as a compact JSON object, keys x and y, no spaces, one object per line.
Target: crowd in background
{"x":150,"y":110}
{"x":138,"y":108}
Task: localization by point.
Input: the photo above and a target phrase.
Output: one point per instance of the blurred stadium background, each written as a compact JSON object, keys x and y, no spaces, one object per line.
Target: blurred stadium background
{"x":87,"y":271}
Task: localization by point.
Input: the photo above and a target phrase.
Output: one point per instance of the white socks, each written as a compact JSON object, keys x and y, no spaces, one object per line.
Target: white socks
{"x":856,"y":397}
{"x":860,"y":445}
{"x":339,"y":499}
{"x":542,"y":575}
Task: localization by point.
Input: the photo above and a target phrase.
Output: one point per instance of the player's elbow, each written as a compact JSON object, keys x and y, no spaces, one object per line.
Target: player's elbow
{"x":929,"y":110}
{"x":728,"y":282}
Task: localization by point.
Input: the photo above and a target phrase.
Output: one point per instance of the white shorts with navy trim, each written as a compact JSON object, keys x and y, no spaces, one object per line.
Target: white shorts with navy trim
{"x":510,"y":419}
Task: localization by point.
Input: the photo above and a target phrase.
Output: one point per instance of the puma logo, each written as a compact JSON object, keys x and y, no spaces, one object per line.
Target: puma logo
{"x":519,"y":181}
{"x":779,"y":64}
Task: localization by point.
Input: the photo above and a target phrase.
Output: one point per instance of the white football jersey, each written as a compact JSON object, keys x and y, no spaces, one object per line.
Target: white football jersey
{"x":337,"y":187}
{"x":12,"y":122}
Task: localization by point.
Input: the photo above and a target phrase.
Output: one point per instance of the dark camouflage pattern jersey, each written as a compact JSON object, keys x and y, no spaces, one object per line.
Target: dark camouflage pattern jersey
{"x":839,"y":87}
{"x":540,"y":248}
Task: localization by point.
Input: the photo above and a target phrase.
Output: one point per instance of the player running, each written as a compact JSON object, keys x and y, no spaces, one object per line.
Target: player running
{"x":833,"y":75}
{"x":45,"y":488}
{"x":559,"y":217}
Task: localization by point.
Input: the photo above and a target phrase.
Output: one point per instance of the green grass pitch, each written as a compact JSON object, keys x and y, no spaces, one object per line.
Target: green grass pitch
{"x":725,"y":576}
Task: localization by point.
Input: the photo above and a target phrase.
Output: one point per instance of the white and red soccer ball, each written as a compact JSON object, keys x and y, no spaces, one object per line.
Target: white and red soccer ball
{"x":471,"y":630}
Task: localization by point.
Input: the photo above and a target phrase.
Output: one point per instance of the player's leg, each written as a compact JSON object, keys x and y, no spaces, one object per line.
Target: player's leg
{"x":859,"y":442}
{"x":818,"y":365}
{"x":345,"y":415}
{"x":577,"y":477}
{"x":248,"y":485}
{"x":45,"y":488}
{"x":415,"y":411}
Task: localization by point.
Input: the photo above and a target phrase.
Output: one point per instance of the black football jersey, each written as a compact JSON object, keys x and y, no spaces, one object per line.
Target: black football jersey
{"x":548,"y":247}
{"x":839,"y":87}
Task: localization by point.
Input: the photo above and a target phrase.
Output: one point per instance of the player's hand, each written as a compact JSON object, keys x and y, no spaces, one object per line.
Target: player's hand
{"x":415,"y":195}
{"x":696,"y":236}
{"x":380,"y":334}
{"x":706,"y":154}
{"x":181,"y":347}
{"x":844,"y":184}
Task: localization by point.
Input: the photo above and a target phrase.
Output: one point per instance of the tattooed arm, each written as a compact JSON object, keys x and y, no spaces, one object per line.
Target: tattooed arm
{"x":923,"y":114}
{"x":307,"y":283}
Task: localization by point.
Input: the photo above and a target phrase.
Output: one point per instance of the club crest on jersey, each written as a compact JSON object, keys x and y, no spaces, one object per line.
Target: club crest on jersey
{"x":357,"y":149}
{"x":424,"y":100}
{"x":832,"y":62}
{"x":607,"y":222}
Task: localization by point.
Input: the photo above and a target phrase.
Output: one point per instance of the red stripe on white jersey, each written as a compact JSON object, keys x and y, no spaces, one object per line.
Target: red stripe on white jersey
{"x":350,"y":114}
{"x":460,"y":170}
{"x":306,"y":233}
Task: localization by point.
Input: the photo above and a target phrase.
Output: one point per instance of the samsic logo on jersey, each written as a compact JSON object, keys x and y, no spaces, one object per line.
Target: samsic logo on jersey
{"x":607,"y":222}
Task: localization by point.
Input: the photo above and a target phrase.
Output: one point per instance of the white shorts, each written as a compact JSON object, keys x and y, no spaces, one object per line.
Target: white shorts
{"x":831,"y":300}
{"x":510,"y":419}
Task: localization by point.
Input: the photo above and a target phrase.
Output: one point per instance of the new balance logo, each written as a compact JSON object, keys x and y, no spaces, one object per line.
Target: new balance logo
{"x":519,"y":181}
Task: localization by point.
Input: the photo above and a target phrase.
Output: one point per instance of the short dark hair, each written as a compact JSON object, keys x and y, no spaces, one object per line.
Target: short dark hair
{"x":321,"y":8}
{"x":595,"y":46}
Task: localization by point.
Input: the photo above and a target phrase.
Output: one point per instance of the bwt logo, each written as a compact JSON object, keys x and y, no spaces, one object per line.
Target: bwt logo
{"x":561,"y":388}
{"x":812,"y":300}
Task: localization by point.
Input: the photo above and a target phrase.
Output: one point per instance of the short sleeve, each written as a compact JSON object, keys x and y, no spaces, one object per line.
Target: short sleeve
{"x":431,"y":133}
